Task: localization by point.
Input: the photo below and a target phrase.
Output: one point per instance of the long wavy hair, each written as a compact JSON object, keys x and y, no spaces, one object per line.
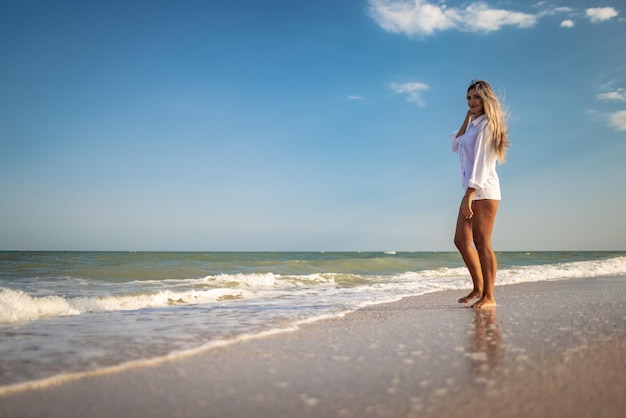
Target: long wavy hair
{"x":496,"y":117}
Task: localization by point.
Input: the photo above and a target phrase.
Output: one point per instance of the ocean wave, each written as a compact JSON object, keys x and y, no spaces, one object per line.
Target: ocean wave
{"x":559,"y":271}
{"x":17,"y":306}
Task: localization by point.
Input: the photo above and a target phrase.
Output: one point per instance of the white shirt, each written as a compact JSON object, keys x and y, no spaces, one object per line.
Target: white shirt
{"x":478,"y":160}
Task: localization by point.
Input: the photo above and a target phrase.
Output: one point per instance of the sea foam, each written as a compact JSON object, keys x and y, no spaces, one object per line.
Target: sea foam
{"x":18,"y":306}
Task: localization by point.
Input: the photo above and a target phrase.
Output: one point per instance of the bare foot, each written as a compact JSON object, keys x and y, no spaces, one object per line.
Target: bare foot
{"x":484,"y":303}
{"x":474,"y":295}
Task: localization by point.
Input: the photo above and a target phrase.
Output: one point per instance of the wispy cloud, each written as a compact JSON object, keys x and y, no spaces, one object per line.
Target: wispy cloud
{"x":619,"y":94}
{"x":412,"y":90}
{"x":553,"y":11}
{"x":355,"y":97}
{"x":563,"y":10}
{"x":422,"y":18}
{"x":479,"y":17}
{"x":600,"y":14}
{"x":618,"y":120}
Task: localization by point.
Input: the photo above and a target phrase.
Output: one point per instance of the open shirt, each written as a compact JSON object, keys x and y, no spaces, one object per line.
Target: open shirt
{"x":477,"y":160}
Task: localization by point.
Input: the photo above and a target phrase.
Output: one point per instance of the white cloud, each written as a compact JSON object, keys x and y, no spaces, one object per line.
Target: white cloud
{"x":354,"y":97}
{"x":554,"y":11}
{"x":425,"y":17}
{"x":479,"y":17}
{"x":411,"y":18}
{"x":619,"y":94}
{"x":419,"y":17}
{"x":618,"y":120}
{"x":412,"y":90}
{"x":600,"y":14}
{"x":562,"y":10}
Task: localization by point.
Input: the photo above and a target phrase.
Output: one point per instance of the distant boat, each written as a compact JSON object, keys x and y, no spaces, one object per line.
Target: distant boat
{"x":390,"y":252}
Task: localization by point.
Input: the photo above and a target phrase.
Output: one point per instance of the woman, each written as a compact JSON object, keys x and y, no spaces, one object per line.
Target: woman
{"x":481,"y":142}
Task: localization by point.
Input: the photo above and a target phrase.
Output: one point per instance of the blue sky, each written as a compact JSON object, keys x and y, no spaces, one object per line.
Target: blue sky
{"x":304,"y":125}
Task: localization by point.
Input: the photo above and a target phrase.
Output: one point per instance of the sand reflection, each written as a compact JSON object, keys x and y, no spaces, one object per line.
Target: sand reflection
{"x":487,"y":353}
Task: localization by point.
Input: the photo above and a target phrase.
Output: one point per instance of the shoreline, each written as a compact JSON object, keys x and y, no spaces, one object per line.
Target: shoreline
{"x":421,"y":356}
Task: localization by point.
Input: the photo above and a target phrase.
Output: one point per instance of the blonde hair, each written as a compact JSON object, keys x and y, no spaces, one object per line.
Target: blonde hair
{"x":496,"y":117}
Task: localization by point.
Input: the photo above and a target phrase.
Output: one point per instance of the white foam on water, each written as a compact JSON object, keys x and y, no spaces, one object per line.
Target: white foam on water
{"x":150,"y":362}
{"x":17,"y":306}
{"x":296,"y":299}
{"x":62,"y":378}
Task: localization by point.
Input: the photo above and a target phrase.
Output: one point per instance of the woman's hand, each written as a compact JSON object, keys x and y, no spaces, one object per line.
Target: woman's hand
{"x":466,"y":204}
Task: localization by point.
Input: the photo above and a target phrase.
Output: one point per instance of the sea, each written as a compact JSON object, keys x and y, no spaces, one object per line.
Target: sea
{"x":64,"y":315}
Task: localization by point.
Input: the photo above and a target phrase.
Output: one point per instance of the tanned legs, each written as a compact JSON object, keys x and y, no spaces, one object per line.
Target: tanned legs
{"x":473,"y":240}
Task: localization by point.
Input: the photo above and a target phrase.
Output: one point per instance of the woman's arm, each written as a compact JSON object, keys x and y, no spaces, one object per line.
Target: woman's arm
{"x":461,"y":131}
{"x":463,"y":128}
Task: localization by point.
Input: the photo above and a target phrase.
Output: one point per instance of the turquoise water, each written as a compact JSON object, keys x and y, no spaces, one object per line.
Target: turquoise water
{"x":76,"y":312}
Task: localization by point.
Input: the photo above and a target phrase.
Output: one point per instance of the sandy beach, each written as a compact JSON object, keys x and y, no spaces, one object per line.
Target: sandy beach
{"x":550,"y":349}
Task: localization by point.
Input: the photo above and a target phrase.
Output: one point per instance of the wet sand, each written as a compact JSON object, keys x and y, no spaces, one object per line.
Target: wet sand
{"x":550,"y":349}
